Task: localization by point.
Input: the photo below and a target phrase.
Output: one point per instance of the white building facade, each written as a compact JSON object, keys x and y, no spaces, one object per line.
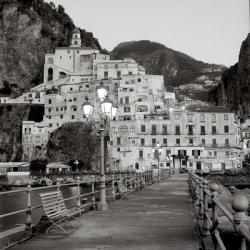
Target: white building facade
{"x":191,"y":137}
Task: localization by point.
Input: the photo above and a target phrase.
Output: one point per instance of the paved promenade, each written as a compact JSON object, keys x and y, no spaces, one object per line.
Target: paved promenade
{"x":157,"y":217}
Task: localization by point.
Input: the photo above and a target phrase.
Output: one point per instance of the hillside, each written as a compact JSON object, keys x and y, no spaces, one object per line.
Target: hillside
{"x":11,"y":117}
{"x":182,"y":73}
{"x":28,"y":30}
{"x":234,"y":89}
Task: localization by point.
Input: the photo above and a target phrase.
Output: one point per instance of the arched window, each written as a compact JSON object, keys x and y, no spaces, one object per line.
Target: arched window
{"x":142,"y":108}
{"x":73,"y":108}
{"x":50,"y":74}
{"x":62,"y":75}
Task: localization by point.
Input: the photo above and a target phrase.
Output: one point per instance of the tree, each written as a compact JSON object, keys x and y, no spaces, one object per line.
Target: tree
{"x":38,"y":165}
{"x":74,"y":141}
{"x":61,"y":10}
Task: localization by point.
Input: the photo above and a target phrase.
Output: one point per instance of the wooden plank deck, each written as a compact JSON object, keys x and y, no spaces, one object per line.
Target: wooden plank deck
{"x":157,"y":217}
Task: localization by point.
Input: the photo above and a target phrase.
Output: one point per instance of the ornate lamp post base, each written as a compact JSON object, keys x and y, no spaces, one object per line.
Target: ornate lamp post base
{"x":102,"y":206}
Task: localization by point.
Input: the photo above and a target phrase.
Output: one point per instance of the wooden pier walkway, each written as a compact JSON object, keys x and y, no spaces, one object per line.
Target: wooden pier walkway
{"x":157,"y":217}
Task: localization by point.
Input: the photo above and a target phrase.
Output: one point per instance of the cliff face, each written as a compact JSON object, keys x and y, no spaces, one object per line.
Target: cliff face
{"x":182,"y":74}
{"x":234,"y":89}
{"x":11,"y":117}
{"x":28,"y":30}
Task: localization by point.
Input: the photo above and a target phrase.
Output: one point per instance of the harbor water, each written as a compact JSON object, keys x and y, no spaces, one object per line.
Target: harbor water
{"x":18,"y":201}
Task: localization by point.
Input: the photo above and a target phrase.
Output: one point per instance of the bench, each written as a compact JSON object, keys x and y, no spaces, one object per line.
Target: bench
{"x":56,"y":211}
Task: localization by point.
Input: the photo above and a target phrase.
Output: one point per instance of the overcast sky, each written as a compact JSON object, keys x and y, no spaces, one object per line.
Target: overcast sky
{"x":208,"y":30}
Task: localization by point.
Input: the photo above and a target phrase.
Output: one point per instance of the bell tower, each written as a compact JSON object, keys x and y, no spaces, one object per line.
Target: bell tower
{"x":76,"y":38}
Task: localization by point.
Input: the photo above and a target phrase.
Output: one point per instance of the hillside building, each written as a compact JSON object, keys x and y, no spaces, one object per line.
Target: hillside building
{"x":191,"y":136}
{"x":245,"y":137}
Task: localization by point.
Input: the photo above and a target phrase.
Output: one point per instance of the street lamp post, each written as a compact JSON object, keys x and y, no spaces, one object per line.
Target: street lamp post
{"x":157,"y":151}
{"x":108,"y":111}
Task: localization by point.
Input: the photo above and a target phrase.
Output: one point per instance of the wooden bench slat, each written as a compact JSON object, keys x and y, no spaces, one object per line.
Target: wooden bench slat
{"x":49,"y":198}
{"x":48,"y":204}
{"x":55,"y":204}
{"x":49,"y":193}
{"x":47,"y":210}
{"x":57,"y":214}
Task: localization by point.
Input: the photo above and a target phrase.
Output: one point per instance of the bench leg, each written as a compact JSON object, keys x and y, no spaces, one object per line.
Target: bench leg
{"x":77,"y":220}
{"x":55,"y":224}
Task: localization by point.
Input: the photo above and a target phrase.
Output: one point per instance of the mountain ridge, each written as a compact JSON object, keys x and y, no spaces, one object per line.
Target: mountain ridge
{"x":178,"y":68}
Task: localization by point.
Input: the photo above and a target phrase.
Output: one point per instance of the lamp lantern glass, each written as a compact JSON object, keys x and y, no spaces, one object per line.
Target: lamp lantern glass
{"x":113,"y":112}
{"x":106,"y":107}
{"x":102,"y":92}
{"x":87,"y":109}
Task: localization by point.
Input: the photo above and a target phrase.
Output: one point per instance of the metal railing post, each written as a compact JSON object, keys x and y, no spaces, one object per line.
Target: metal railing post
{"x":93,"y":205}
{"x":137,"y":181}
{"x":214,"y":192}
{"x":28,"y":221}
{"x":131,"y":182}
{"x":197,"y":191}
{"x":206,"y":226}
{"x":240,"y":205}
{"x":58,"y":182}
{"x":78,"y":199}
{"x":201,"y":211}
{"x":125,"y":181}
{"x":113,"y":186}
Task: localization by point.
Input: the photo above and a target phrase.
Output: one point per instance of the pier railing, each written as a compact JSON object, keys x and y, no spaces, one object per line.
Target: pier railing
{"x":209,"y":209}
{"x":117,"y":185}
